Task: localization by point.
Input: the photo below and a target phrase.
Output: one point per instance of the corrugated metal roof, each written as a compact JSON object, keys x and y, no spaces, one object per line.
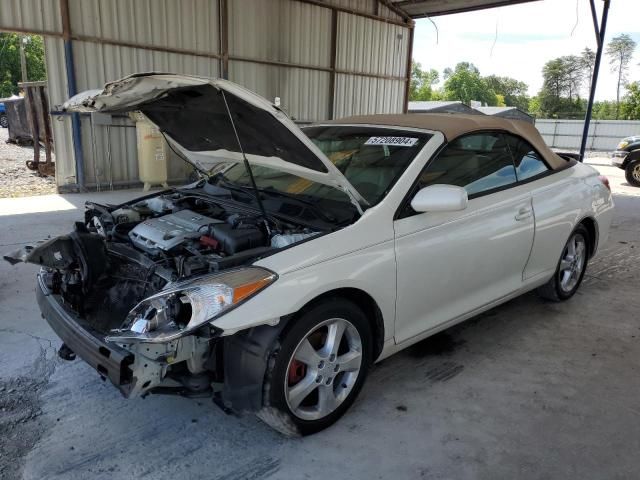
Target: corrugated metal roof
{"x":495,"y":110}
{"x":441,"y":106}
{"x":431,"y":8}
{"x":428,"y":105}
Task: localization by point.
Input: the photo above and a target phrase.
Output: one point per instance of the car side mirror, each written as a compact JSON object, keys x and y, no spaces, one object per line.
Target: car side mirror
{"x":440,"y":198}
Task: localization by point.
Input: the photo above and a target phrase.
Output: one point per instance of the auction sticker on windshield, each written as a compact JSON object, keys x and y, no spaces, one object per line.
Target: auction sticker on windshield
{"x":392,"y":141}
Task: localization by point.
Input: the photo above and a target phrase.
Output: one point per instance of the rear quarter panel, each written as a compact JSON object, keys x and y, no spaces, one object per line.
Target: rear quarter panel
{"x":560,"y":202}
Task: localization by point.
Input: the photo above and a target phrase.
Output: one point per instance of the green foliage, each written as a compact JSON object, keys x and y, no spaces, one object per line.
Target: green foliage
{"x":422,"y":81}
{"x":631,"y":107}
{"x":10,"y":73}
{"x":512,"y":92}
{"x":465,"y":84}
{"x":604,"y":110}
{"x":560,"y":93}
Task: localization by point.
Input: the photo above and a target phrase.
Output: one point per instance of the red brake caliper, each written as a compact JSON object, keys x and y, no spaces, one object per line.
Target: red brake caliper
{"x":297,"y":371}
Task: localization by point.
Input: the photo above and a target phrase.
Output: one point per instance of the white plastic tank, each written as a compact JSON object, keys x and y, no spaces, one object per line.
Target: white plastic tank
{"x":153,"y":153}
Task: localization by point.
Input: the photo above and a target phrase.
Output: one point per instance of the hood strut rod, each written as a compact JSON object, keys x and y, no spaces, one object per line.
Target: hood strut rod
{"x":246,"y":163}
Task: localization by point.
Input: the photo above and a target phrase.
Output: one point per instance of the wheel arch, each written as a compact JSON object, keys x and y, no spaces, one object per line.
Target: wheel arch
{"x":247,"y":353}
{"x":591,"y":225}
{"x":632,"y":156}
{"x":364,"y":301}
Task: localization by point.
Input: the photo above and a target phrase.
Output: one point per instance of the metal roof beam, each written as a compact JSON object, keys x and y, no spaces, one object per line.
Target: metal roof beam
{"x":432,"y":8}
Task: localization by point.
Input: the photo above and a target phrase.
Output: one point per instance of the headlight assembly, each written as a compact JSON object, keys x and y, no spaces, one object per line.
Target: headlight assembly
{"x":622,"y":145}
{"x":183,"y":307}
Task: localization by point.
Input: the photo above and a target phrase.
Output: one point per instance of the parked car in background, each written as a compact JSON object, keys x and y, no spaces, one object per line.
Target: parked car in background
{"x":627,"y":157}
{"x":301,"y":257}
{"x":4,"y":123}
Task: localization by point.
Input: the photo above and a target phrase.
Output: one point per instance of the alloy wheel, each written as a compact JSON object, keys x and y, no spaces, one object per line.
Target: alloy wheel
{"x":635,"y":172}
{"x":323,"y":369}
{"x":572,"y":262}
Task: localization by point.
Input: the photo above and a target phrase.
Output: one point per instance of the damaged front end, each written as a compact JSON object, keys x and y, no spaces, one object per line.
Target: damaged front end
{"x":143,"y":319}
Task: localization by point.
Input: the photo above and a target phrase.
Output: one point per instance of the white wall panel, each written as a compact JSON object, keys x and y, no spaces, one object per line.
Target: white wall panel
{"x":185,"y":24}
{"x":371,"y":46}
{"x":282,"y":31}
{"x":304,"y":94}
{"x":36,"y":15}
{"x":357,"y":95}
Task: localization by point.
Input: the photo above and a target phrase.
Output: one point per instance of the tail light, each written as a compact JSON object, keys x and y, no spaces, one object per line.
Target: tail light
{"x":605,"y":182}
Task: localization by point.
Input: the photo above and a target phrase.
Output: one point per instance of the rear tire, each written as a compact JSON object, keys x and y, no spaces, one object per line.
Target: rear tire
{"x":4,"y":123}
{"x":632,"y":173}
{"x":571,"y":267}
{"x":318,"y":368}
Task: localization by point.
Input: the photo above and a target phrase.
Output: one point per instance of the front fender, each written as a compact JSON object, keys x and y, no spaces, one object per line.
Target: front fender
{"x":371,"y":270}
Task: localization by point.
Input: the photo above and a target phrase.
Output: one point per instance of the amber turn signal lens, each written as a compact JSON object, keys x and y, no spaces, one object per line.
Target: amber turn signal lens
{"x":243,"y":291}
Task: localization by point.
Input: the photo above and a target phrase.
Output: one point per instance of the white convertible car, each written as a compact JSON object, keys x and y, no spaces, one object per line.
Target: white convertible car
{"x":301,"y":257}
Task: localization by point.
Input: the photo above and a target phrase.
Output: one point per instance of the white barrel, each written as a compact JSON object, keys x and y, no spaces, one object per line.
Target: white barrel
{"x":153,"y":154}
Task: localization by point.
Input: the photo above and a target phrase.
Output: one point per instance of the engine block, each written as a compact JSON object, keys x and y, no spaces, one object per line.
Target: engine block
{"x":169,"y":231}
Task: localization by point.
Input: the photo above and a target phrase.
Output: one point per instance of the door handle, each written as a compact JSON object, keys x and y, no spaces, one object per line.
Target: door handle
{"x":524,"y":213}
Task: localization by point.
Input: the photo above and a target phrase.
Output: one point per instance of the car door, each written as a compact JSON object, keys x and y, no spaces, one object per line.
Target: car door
{"x":452,"y":263}
{"x":557,"y":197}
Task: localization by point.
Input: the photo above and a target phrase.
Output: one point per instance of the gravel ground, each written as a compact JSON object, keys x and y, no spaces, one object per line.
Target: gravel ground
{"x":16,"y":180}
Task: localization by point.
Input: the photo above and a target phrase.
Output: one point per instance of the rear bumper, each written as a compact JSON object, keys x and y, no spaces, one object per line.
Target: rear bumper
{"x":110,"y":361}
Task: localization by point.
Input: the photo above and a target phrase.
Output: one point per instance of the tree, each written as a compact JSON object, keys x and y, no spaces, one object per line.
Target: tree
{"x":555,"y":78}
{"x":561,"y":83}
{"x":631,"y":106}
{"x":10,"y":73}
{"x":587,"y":62}
{"x":514,"y":92}
{"x":422,"y":81}
{"x":464,"y":83}
{"x":604,"y":110}
{"x":620,"y":50}
{"x":574,"y":74}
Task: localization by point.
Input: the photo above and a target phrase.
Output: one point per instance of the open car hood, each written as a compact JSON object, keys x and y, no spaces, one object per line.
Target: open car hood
{"x":194,"y":114}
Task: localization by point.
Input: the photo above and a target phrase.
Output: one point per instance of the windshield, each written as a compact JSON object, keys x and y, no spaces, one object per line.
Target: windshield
{"x":372,"y":159}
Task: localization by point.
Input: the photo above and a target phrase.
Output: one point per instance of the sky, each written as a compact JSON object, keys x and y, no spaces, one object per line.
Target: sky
{"x":528,"y":35}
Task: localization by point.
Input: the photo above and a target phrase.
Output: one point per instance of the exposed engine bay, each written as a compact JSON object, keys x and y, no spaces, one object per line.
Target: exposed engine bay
{"x":123,"y":254}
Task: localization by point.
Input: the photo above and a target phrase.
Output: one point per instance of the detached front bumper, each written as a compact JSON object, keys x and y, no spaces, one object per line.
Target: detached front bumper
{"x":110,"y":361}
{"x":618,"y":158}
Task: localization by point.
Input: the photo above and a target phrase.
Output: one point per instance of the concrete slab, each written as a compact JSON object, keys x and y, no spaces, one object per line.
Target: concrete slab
{"x":529,"y":390}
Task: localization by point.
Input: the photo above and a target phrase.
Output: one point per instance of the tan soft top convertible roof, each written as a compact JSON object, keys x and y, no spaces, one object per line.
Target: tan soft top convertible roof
{"x":455,"y":125}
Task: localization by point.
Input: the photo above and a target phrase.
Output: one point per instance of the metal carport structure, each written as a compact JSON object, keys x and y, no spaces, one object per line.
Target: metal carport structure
{"x":323,"y":58}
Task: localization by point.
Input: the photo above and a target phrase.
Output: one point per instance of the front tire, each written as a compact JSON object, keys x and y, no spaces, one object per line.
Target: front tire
{"x":571,"y":267}
{"x":632,"y":173}
{"x":319,"y":368}
{"x":4,"y":122}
